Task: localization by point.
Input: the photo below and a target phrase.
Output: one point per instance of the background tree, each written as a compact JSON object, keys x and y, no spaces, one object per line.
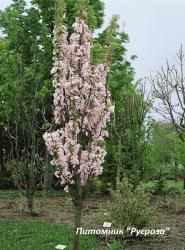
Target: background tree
{"x":129,"y":103}
{"x":130,"y":135}
{"x":24,"y":86}
{"x":169,"y":91}
{"x":162,"y":151}
{"x":26,"y":47}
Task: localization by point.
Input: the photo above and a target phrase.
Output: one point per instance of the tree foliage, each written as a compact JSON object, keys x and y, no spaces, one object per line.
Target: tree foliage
{"x":26,"y":83}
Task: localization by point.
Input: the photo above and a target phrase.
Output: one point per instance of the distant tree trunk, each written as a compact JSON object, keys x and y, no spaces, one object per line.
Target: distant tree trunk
{"x":31,"y":190}
{"x":118,"y":174}
{"x":118,"y":178}
{"x":47,"y":176}
{"x":184,"y":183}
{"x":31,"y":179}
{"x":30,"y":203}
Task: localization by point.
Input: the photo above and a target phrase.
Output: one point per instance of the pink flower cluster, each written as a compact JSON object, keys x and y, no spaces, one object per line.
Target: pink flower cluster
{"x":82,"y":107}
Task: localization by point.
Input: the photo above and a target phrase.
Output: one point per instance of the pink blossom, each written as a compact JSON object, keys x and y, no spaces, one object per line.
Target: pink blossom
{"x":82,"y":108}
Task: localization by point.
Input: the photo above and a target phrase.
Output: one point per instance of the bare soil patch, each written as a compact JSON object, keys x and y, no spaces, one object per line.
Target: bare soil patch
{"x":60,"y":210}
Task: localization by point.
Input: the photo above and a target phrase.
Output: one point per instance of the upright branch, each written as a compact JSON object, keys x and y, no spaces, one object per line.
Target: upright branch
{"x":82,"y":108}
{"x":169,"y":90}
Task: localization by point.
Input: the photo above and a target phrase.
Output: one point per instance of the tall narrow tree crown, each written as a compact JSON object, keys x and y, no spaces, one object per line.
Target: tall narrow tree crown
{"x":82,"y":107}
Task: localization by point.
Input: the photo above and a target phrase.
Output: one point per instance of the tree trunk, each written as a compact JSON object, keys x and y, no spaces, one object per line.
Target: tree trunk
{"x":47,"y":177}
{"x":31,"y":190}
{"x":76,"y":242}
{"x":30,"y":203}
{"x":118,"y":174}
{"x":184,"y":183}
{"x":118,"y":178}
{"x":31,"y":173}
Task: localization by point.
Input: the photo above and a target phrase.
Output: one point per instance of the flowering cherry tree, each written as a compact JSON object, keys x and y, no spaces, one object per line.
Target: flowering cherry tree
{"x":82,"y":108}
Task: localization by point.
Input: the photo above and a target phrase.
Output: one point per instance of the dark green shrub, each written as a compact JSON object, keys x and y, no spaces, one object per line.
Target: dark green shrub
{"x":100,"y":186}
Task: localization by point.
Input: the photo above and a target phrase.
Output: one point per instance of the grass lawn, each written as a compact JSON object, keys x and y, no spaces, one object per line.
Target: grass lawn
{"x":12,"y":193}
{"x":175,"y":184}
{"x":36,"y":235}
{"x":169,"y":184}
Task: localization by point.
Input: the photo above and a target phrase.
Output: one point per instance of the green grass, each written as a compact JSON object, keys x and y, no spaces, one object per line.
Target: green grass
{"x":175,"y":184}
{"x":169,"y":184}
{"x":36,"y":235}
{"x":14,"y":193}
